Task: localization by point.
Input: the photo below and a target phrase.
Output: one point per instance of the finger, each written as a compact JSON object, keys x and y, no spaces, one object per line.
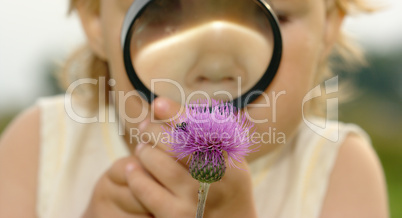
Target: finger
{"x":230,"y":181}
{"x":150,"y":193}
{"x":156,"y":135}
{"x":124,"y":199}
{"x":117,"y":172}
{"x":117,"y":185}
{"x":166,"y":109}
{"x":166,"y":170}
{"x":153,"y":133}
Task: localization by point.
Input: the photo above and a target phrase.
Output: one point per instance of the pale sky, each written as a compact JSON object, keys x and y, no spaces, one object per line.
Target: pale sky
{"x":381,"y":30}
{"x":31,"y":32}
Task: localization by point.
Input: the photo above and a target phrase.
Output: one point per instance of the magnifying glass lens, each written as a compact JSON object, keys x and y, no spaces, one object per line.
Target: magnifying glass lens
{"x":201,"y":49}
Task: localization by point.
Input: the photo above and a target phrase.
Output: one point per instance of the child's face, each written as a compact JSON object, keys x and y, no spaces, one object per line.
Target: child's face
{"x":306,"y":32}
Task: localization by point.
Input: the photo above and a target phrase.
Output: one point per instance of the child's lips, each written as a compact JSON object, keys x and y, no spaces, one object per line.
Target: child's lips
{"x":223,"y":88}
{"x":218,"y":74}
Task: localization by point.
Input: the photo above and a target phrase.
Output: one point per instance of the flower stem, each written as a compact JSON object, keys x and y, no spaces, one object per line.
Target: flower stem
{"x":202,"y":198}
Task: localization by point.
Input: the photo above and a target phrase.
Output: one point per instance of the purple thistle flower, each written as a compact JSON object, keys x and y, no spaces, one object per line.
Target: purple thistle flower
{"x":207,"y":133}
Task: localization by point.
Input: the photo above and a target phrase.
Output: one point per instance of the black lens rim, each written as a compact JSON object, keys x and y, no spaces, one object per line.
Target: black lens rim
{"x":136,"y":10}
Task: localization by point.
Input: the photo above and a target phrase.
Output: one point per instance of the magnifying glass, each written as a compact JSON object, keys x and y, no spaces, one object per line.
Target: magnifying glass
{"x":195,"y":49}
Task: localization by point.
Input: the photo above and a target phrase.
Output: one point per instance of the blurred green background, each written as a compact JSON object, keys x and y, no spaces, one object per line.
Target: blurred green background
{"x":376,"y":107}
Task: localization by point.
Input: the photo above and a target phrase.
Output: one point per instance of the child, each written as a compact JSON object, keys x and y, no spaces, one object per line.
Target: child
{"x":53,"y":166}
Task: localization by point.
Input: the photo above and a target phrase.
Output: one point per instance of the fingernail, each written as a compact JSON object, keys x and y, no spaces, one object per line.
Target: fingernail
{"x":130,"y":167}
{"x":138,"y":148}
{"x":162,"y":104}
{"x":143,"y":125}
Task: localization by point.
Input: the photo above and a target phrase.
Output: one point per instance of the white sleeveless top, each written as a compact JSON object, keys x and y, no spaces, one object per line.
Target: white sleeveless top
{"x":290,"y":182}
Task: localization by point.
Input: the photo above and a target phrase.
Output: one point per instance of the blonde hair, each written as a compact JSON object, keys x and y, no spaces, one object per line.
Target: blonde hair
{"x":85,"y":64}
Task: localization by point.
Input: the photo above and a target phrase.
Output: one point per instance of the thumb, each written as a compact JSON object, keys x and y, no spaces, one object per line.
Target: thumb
{"x":166,"y":110}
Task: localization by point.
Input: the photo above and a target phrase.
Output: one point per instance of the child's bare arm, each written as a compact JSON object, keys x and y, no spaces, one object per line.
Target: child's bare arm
{"x":19,"y":149}
{"x":357,"y":185}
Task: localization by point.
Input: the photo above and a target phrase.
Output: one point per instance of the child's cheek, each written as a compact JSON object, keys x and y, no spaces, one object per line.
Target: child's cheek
{"x":282,"y":111}
{"x":129,"y":104}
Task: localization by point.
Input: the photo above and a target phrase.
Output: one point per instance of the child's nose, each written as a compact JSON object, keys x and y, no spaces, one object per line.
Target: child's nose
{"x":215,"y":67}
{"x":217,"y":54}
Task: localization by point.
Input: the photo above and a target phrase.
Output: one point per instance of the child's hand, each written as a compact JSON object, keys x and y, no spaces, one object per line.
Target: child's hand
{"x":112,"y":196}
{"x":172,"y":192}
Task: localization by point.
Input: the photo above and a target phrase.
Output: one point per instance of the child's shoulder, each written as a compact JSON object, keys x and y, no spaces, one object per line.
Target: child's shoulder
{"x":357,"y":180}
{"x":22,"y":135}
{"x":19,"y":151}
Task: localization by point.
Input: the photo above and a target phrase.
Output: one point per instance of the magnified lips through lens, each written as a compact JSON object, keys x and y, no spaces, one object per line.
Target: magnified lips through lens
{"x":220,"y":49}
